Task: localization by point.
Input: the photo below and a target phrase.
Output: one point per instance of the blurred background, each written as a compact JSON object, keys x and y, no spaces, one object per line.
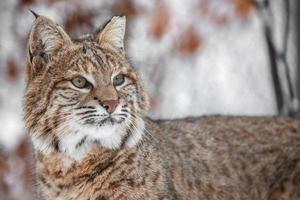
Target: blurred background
{"x":196,"y":57}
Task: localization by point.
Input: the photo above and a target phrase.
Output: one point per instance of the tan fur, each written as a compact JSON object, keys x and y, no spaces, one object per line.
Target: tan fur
{"x":194,"y":158}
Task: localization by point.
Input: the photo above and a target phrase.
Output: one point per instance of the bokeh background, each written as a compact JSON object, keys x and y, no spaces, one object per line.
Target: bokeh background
{"x":196,"y":57}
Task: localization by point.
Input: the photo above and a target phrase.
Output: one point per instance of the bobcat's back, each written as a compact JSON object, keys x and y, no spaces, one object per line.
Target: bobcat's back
{"x":232,"y":157}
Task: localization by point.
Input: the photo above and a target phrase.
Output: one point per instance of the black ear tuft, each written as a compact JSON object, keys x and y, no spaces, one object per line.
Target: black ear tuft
{"x":34,"y":13}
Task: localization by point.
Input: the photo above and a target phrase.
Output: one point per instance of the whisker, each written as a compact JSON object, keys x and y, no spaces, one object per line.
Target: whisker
{"x":62,"y":116}
{"x":146,"y":131}
{"x":150,"y":135}
{"x":142,"y":141}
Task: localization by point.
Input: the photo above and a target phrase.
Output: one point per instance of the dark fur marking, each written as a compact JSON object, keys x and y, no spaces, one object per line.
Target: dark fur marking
{"x":66,"y":105}
{"x":55,"y":143}
{"x":86,"y":112}
{"x":124,"y":110}
{"x":84,"y":107}
{"x":92,"y":61}
{"x":123,"y":114}
{"x":89,"y":121}
{"x":99,"y":59}
{"x":65,"y":97}
{"x":88,"y":116}
{"x":125,"y":138}
{"x":156,"y":176}
{"x":43,"y":180}
{"x":133,"y":115}
{"x":101,"y":198}
{"x":81,"y":142}
{"x":97,"y":171}
{"x":130,"y":182}
{"x":47,"y":128}
{"x":60,"y":186}
{"x":38,"y":116}
{"x":130,"y":159}
{"x":115,"y":184}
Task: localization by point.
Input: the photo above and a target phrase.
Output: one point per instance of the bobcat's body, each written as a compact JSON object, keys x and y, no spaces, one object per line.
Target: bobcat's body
{"x":84,"y":109}
{"x":194,"y":158}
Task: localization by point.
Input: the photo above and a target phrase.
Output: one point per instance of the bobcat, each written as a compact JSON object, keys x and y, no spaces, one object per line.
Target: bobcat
{"x":84,"y":108}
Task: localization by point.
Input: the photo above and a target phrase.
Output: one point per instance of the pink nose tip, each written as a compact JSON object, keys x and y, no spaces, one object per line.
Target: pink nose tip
{"x":110,"y":105}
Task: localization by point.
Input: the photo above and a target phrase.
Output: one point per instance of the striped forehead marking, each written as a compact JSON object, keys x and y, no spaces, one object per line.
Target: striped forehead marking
{"x":94,"y":59}
{"x":107,"y":58}
{"x":98,"y":56}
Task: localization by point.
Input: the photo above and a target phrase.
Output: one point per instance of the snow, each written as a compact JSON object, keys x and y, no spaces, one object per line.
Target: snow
{"x":230,"y":75}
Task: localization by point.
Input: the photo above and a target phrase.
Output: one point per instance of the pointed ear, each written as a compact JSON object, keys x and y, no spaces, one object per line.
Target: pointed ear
{"x":45,"y":40}
{"x":113,"y":33}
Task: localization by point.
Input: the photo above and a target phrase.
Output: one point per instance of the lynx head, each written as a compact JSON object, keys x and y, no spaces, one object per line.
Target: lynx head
{"x":81,"y":93}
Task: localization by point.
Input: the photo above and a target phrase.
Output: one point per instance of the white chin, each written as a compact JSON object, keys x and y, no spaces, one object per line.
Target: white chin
{"x":107,"y":130}
{"x":109,"y":136}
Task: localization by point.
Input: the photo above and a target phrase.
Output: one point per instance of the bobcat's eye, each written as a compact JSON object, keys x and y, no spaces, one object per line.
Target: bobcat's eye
{"x":119,"y":80}
{"x":80,"y":82}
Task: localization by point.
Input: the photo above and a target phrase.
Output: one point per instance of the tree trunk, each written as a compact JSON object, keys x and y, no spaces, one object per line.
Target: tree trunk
{"x":297,"y":25}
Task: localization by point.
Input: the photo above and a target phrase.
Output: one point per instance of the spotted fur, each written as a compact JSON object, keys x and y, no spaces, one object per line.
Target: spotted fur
{"x":84,"y":152}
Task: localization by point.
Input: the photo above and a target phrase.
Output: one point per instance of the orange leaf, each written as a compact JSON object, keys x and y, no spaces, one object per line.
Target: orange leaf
{"x":159,"y":21}
{"x":188,"y":42}
{"x":243,"y":7}
{"x":124,"y":7}
{"x":12,"y":71}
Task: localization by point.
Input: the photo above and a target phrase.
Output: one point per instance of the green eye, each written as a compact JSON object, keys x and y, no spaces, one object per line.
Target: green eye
{"x":80,"y":82}
{"x":119,"y":80}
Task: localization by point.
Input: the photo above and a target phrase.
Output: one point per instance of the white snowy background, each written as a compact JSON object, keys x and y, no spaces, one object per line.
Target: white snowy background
{"x":196,"y":57}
